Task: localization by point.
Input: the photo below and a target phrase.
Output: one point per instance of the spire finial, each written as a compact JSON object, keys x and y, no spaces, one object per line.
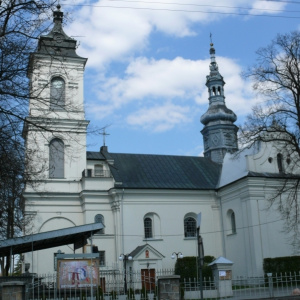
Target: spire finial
{"x":211,"y":42}
{"x":57,"y":14}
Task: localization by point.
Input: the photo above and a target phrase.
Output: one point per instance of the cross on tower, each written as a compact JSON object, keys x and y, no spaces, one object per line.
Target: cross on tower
{"x":104,"y":134}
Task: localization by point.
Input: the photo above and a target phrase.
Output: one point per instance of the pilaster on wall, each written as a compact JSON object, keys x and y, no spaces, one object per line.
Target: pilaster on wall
{"x":115,"y":202}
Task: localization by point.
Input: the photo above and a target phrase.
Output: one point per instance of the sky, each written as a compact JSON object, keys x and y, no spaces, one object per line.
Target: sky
{"x":148,"y":61}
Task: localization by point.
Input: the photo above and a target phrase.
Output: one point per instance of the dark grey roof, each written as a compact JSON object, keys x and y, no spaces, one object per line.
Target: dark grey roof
{"x":138,"y":249}
{"x":145,"y":171}
{"x":57,"y":42}
{"x":273,"y":175}
{"x":94,"y":155}
{"x":76,"y":235}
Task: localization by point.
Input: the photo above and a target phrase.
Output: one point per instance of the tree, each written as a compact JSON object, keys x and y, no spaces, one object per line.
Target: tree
{"x":276,"y":77}
{"x":11,"y":186}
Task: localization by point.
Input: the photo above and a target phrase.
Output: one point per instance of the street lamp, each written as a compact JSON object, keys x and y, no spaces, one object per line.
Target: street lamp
{"x":125,"y":257}
{"x":178,"y":254}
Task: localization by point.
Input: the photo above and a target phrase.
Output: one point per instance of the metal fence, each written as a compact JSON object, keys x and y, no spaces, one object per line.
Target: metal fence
{"x":117,"y":285}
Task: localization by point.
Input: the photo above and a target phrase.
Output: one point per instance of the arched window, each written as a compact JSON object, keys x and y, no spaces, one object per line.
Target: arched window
{"x":56,"y":159}
{"x":280,"y":163}
{"x":57,"y":93}
{"x":148,"y":228}
{"x":214,"y":91}
{"x":100,"y":219}
{"x":232,"y":221}
{"x":190,"y":227}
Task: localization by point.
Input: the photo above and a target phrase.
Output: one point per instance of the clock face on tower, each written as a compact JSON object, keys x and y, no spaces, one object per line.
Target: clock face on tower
{"x":57,"y":93}
{"x":57,"y":83}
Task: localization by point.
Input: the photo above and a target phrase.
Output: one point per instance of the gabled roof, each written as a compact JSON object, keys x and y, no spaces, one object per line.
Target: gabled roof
{"x":145,"y":171}
{"x":140,"y":249}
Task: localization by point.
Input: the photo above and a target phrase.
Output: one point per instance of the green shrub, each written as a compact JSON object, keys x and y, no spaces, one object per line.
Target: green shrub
{"x":187,"y":266}
{"x":282,"y":264}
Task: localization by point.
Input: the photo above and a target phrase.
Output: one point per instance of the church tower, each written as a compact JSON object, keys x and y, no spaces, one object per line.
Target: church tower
{"x":55,"y":130}
{"x":55,"y":137}
{"x":219,"y":132}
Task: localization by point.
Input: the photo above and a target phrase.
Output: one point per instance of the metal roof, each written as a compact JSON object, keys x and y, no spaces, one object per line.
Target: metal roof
{"x":76,"y":235}
{"x":164,"y":171}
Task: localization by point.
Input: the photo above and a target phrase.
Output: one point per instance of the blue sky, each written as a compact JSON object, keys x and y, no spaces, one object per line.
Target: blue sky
{"x":148,"y":61}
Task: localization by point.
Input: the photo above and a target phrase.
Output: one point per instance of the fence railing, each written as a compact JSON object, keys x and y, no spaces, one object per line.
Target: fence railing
{"x":142,"y":286}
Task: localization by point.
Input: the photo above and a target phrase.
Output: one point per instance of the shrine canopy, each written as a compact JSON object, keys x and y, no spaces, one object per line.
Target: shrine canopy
{"x":76,"y":235}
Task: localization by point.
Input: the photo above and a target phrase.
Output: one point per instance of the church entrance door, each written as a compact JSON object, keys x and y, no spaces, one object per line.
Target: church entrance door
{"x":148,"y":279}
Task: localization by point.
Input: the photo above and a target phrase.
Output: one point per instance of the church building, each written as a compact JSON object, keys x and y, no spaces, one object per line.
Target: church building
{"x":148,"y":203}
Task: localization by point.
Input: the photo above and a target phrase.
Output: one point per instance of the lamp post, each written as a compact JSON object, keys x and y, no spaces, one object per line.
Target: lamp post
{"x":178,"y":254}
{"x":125,"y":257}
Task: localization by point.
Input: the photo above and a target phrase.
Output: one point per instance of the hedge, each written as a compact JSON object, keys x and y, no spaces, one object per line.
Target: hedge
{"x":186,"y":267}
{"x":285,"y":264}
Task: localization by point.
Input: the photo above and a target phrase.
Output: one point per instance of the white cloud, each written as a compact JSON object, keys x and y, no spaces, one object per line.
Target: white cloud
{"x":267,"y":7}
{"x":160,"y":118}
{"x":110,"y":34}
{"x":159,"y":94}
{"x":155,"y":94}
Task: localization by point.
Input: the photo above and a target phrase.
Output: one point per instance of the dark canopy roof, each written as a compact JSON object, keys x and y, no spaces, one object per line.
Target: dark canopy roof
{"x":140,"y":171}
{"x":76,"y":235}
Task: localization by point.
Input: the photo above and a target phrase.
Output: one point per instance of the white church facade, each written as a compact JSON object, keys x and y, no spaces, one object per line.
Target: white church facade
{"x":148,"y":203}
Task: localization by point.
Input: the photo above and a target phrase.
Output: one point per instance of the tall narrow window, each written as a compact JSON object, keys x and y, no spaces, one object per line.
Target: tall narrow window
{"x":100,"y":219}
{"x":57,"y":93}
{"x":232,"y":221}
{"x":189,"y":227}
{"x":214,"y":91}
{"x":102,"y":258}
{"x":148,"y":228}
{"x":280,"y":162}
{"x":56,"y":159}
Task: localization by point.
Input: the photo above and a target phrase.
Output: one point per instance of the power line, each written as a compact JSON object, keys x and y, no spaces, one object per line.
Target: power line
{"x":280,"y":1}
{"x":181,"y":10}
{"x":207,"y":5}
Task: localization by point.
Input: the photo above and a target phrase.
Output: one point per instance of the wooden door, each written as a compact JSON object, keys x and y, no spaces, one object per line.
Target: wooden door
{"x":148,"y":279}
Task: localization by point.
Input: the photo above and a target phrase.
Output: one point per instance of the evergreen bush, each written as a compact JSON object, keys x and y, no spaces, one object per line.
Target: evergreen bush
{"x":187,"y":266}
{"x":285,"y":264}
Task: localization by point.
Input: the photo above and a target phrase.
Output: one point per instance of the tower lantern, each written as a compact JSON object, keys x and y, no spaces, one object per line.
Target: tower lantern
{"x":219,"y":132}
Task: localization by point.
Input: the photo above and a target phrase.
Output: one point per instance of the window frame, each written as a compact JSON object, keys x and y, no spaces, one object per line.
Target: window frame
{"x":57,"y":102}
{"x":148,"y":228}
{"x":233,"y":222}
{"x":56,"y":158}
{"x":99,"y":170}
{"x":102,"y":255}
{"x":99,"y":218}
{"x":188,"y":233}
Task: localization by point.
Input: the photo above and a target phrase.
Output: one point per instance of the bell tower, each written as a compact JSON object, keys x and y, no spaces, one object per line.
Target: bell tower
{"x":219,"y":132}
{"x":55,"y":130}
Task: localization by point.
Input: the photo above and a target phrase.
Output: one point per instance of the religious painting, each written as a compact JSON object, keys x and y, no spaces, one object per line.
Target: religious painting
{"x":77,"y":273}
{"x":147,"y":253}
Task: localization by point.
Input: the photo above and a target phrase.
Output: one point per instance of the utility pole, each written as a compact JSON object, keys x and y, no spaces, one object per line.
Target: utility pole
{"x":200,"y":254}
